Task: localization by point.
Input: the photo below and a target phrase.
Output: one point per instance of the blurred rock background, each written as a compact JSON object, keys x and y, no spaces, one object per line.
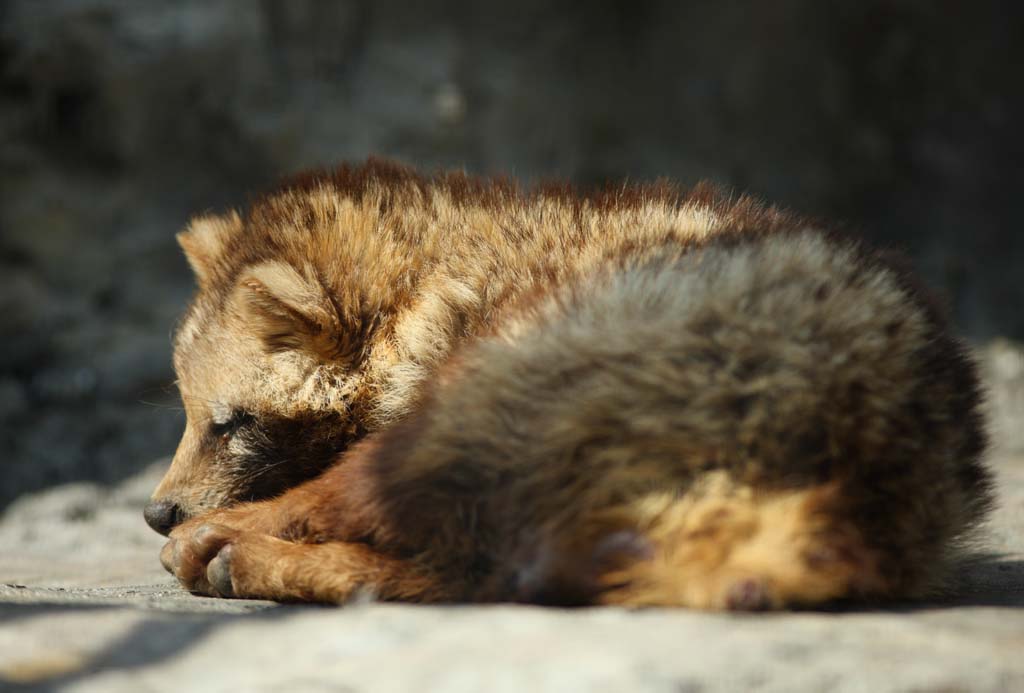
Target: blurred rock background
{"x":119,"y":118}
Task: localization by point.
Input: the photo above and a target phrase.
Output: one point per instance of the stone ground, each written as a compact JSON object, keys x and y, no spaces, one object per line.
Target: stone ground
{"x":85,"y":606}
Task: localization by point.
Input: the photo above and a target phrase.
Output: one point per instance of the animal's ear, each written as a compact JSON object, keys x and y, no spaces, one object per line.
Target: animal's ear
{"x":292,"y":310}
{"x":204,"y":241}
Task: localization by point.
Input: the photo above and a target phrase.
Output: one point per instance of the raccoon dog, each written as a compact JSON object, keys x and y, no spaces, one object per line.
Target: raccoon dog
{"x":448,"y":389}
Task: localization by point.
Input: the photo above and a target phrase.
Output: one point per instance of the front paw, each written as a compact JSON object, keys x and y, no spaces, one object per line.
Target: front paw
{"x":199,"y":556}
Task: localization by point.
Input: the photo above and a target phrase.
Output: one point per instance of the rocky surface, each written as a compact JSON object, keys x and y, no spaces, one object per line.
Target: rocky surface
{"x":85,"y":606}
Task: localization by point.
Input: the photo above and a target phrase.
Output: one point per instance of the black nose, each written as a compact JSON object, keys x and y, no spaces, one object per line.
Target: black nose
{"x":162,"y":515}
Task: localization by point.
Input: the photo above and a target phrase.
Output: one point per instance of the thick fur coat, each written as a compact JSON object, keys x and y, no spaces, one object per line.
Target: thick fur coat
{"x":449,"y":389}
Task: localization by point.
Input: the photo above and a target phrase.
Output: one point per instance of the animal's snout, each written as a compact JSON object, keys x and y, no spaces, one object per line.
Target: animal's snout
{"x":163,"y":515}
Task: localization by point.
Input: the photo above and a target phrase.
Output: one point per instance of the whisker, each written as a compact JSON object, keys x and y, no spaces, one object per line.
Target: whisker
{"x":160,"y":405}
{"x":264,"y":470}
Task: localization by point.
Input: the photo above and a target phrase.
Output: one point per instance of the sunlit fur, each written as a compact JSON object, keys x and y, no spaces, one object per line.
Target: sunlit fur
{"x":639,"y":396}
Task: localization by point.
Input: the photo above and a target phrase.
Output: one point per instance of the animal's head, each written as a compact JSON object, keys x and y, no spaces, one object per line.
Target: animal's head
{"x":269,"y":360}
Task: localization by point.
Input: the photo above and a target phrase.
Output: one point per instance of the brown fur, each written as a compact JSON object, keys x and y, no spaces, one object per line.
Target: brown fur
{"x":640,"y":397}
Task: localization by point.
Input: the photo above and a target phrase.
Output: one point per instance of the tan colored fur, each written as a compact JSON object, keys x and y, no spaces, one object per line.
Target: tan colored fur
{"x":639,"y":397}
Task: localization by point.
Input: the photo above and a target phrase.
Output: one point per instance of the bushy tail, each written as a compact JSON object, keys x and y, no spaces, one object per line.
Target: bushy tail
{"x":760,"y":422}
{"x":798,"y":423}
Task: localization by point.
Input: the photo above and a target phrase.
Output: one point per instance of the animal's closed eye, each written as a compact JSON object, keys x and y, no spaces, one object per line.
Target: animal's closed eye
{"x":237,"y":419}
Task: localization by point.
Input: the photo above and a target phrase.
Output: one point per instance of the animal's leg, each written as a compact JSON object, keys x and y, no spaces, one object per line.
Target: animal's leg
{"x":220,"y":561}
{"x":746,"y":550}
{"x":717,"y":547}
{"x":338,"y":505}
{"x":262,"y":517}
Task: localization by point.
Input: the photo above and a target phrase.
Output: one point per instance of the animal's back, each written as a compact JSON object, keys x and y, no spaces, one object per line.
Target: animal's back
{"x":450,"y":256}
